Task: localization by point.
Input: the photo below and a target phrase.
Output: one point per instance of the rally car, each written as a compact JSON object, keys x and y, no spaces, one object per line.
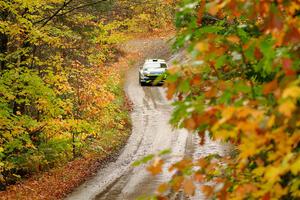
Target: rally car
{"x":153,"y":72}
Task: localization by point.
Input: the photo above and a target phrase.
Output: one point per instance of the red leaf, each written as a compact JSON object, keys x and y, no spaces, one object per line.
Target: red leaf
{"x":287,"y":67}
{"x":258,"y":55}
{"x":292,"y":36}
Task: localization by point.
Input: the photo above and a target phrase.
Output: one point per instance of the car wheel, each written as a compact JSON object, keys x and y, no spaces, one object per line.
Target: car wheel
{"x":141,"y":83}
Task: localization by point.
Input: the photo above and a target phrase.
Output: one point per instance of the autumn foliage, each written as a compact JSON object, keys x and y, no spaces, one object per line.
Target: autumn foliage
{"x":241,"y":86}
{"x":60,"y":95}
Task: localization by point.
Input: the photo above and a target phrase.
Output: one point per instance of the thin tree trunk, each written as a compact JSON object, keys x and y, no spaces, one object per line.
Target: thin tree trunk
{"x":3,"y":42}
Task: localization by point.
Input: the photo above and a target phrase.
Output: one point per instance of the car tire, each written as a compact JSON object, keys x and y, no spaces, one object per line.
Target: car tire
{"x":141,"y":83}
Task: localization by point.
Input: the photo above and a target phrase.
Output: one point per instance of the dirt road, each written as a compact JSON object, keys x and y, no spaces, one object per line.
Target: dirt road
{"x":151,"y":133}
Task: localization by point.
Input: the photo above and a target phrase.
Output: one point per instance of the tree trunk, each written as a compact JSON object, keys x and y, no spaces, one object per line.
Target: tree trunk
{"x":3,"y":42}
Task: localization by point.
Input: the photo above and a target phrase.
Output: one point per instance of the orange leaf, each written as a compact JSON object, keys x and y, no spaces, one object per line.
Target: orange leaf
{"x":266,"y":196}
{"x":207,"y":190}
{"x":202,"y":163}
{"x":163,"y":188}
{"x":201,"y":12}
{"x":270,"y":87}
{"x":176,"y":183}
{"x":199,"y":177}
{"x":234,"y":39}
{"x":211,"y":93}
{"x":189,"y":187}
{"x":156,"y":167}
{"x":196,"y":80}
{"x":171,"y":90}
{"x":190,"y":124}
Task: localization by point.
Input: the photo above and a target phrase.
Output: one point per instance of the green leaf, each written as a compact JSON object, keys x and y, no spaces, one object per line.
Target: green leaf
{"x":143,"y":160}
{"x":221,"y":61}
{"x":164,"y":152}
{"x":184,"y":86}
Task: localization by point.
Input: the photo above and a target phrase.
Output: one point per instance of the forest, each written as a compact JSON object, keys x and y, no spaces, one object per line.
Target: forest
{"x":62,"y":96}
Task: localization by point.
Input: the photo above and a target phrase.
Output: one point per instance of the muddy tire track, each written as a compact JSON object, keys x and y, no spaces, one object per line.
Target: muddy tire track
{"x":151,"y":133}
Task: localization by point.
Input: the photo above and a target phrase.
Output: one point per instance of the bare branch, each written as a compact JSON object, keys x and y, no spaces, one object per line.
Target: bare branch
{"x":48,"y":19}
{"x":65,"y":4}
{"x":81,"y":6}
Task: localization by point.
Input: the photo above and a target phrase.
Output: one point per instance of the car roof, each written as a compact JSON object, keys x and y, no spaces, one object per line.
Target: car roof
{"x":155,"y":61}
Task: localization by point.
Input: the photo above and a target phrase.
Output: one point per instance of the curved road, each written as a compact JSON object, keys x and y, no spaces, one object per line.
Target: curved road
{"x":151,"y":133}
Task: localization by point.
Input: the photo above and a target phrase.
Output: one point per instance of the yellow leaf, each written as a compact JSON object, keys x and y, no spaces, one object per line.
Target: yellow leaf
{"x":202,"y":46}
{"x":247,"y":127}
{"x":293,"y":91}
{"x":287,"y":108}
{"x":248,"y":148}
{"x":273,"y":174}
{"x":271,"y":121}
{"x":259,"y":171}
{"x":243,"y":112}
{"x":279,"y":190}
{"x":227,"y":114}
{"x":223,"y":134}
{"x":295,"y":167}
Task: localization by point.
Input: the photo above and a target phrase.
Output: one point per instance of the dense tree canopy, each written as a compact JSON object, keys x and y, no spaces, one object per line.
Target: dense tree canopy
{"x":242,"y":86}
{"x":57,"y":90}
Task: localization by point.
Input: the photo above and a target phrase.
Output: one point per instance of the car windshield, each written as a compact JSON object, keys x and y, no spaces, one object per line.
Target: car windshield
{"x":155,"y":65}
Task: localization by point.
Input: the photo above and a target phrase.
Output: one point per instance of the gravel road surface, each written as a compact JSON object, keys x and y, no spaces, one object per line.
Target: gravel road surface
{"x":151,"y":133}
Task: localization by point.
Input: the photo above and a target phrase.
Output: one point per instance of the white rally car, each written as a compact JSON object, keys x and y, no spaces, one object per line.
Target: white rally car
{"x":151,"y":70}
